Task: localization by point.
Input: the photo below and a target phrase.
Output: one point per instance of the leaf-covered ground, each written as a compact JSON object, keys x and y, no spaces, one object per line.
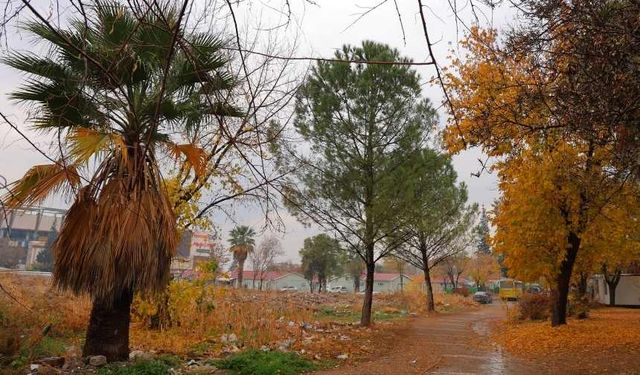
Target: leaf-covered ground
{"x":607,"y":342}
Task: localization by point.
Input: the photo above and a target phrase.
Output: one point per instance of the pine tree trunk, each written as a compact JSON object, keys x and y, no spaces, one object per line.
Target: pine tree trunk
{"x":431,"y":305}
{"x":108,"y":330}
{"x":367,"y":305}
{"x":563,"y":279}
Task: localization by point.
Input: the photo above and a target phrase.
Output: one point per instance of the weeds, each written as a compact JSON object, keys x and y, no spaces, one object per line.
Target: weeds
{"x":255,"y":362}
{"x":139,"y":368}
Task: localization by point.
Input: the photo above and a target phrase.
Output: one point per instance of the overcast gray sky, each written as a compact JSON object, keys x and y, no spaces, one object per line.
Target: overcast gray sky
{"x":320,"y":31}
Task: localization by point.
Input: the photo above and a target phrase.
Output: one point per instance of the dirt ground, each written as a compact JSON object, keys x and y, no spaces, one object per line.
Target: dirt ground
{"x":454,"y":343}
{"x":460,"y":343}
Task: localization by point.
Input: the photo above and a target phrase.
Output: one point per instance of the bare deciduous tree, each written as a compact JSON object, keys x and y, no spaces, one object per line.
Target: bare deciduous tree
{"x":263,"y":258}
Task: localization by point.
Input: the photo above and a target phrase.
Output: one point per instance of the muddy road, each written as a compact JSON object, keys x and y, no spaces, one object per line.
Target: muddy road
{"x":457,"y":343}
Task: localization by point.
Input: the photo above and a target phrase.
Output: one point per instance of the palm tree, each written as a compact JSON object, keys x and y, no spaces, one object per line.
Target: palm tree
{"x":242,"y":243}
{"x":112,"y":88}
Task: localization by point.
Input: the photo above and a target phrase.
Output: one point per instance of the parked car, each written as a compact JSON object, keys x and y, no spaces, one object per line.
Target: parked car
{"x":288,"y":289}
{"x":338,"y":289}
{"x":482,"y":297}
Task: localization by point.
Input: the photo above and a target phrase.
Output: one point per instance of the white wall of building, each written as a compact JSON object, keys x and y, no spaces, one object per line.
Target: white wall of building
{"x":627,"y":292}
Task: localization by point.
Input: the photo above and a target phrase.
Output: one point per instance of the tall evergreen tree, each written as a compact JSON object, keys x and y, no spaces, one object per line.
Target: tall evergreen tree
{"x":361,"y":121}
{"x":483,"y":232}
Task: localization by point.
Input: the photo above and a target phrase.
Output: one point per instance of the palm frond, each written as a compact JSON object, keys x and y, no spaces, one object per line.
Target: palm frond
{"x":85,"y":143}
{"x":40,"y":182}
{"x":40,"y":66}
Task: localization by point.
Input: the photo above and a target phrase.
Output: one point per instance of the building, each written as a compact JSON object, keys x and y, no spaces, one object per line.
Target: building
{"x":27,"y":224}
{"x":388,"y":282}
{"x":29,"y":229}
{"x":382,"y":282}
{"x":271,"y":280}
{"x":627,"y":291}
{"x":194,"y":248}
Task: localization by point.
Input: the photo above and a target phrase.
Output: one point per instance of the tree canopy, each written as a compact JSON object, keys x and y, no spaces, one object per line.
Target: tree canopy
{"x":360,"y":121}
{"x":321,"y":259}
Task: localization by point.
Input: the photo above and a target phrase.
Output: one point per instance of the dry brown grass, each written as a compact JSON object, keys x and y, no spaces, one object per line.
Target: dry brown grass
{"x":317,"y":325}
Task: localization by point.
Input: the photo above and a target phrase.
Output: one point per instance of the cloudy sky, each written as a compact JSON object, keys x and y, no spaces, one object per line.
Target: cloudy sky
{"x":319,"y":30}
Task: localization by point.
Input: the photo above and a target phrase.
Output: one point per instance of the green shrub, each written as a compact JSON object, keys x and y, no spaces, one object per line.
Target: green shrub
{"x":255,"y":362}
{"x":139,"y":368}
{"x":534,"y":307}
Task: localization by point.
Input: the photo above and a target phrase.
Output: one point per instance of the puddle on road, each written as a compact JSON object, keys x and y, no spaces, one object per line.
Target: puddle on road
{"x":495,"y":360}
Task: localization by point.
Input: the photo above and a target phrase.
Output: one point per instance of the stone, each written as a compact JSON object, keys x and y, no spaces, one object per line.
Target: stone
{"x":52,"y":361}
{"x":139,"y":355}
{"x":97,"y":360}
{"x":284,"y":345}
{"x":229,"y":339}
{"x":265,"y":348}
{"x":343,"y":357}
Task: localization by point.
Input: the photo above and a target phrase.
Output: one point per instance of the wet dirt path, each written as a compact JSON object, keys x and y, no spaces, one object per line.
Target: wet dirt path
{"x":464,"y":345}
{"x":455,"y":344}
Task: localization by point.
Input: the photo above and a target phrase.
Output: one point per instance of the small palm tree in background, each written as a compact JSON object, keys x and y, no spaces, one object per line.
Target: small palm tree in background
{"x":113,"y":89}
{"x":242,"y":242}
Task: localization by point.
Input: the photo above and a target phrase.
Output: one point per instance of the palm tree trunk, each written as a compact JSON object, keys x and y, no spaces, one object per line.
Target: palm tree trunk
{"x":240,"y":273}
{"x":108,"y":331}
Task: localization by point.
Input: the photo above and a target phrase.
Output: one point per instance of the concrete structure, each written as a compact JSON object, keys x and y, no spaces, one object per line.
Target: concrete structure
{"x":34,"y":248}
{"x":627,"y":291}
{"x":27,"y":224}
{"x":271,"y":280}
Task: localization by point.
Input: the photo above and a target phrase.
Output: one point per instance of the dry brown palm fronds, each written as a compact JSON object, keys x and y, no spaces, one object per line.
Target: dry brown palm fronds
{"x":121,"y":237}
{"x":41,"y":181}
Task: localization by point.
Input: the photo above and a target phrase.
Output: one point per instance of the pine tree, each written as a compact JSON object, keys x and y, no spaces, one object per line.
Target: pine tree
{"x":482,"y":235}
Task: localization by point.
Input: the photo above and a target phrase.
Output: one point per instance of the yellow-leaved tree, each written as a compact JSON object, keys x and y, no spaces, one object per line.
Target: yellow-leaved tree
{"x":558,"y":185}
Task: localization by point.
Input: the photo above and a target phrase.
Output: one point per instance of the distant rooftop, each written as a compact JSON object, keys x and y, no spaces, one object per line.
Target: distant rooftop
{"x":32,"y":219}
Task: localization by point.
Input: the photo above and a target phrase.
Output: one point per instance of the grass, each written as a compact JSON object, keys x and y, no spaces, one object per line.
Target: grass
{"x":342,"y":315}
{"x":347,"y":315}
{"x":140,"y":368}
{"x":255,"y":362}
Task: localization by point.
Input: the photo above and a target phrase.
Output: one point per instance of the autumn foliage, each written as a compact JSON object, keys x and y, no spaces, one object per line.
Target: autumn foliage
{"x":564,"y":203}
